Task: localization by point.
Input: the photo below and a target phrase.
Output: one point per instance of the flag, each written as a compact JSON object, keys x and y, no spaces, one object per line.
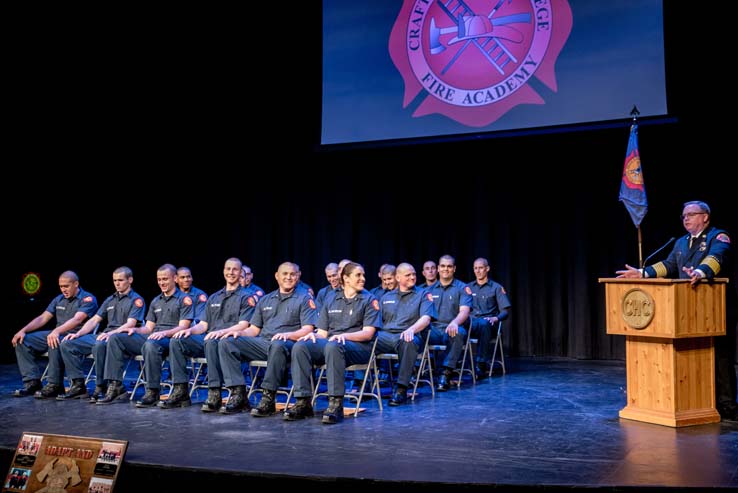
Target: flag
{"x":632,"y":188}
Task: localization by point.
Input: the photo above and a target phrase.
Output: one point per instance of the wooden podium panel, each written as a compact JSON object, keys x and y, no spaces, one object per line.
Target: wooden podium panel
{"x":670,"y":360}
{"x":679,"y":310}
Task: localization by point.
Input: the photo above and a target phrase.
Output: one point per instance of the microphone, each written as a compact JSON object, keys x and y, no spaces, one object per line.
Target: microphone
{"x":645,"y":262}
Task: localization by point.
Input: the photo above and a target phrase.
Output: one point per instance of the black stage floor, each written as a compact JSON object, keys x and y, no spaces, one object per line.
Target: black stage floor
{"x":548,"y":424}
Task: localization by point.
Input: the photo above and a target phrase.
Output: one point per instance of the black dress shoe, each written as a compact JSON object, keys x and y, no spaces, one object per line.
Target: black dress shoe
{"x":29,"y":388}
{"x":334,"y":413}
{"x":399,"y":396}
{"x":444,"y":381}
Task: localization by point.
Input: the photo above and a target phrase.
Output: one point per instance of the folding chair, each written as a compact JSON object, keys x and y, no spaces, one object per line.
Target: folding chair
{"x":141,"y":378}
{"x":66,"y":379}
{"x":425,"y":365}
{"x":46,"y":368}
{"x":498,"y":344}
{"x":255,"y":367}
{"x":200,"y":374}
{"x":468,"y":357}
{"x":370,"y":371}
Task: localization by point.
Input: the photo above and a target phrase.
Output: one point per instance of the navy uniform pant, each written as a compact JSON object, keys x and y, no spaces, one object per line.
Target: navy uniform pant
{"x":390,"y":342}
{"x":154,"y":351}
{"x":482,"y":330}
{"x":29,"y":354}
{"x":121,"y":348}
{"x":195,"y":346}
{"x":234,"y":351}
{"x":454,"y":345}
{"x":75,"y":351}
{"x":335,"y":357}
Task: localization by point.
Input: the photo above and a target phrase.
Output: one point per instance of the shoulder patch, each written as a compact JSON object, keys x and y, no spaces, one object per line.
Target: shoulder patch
{"x":311,"y":292}
{"x":252,"y":301}
{"x":139,"y":302}
{"x":429,"y":296}
{"x":723,"y":237}
{"x":259,"y":293}
{"x":375,"y":304}
{"x":311,"y":304}
{"x":467,"y":290}
{"x":187,"y":300}
{"x":87,"y":299}
{"x":203,"y":297}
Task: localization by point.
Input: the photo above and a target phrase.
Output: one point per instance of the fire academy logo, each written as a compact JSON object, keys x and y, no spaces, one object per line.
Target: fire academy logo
{"x":474,"y":58}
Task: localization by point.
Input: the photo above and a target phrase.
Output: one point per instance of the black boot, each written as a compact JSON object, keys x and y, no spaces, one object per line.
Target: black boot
{"x":444,"y":381}
{"x":99,"y":393}
{"x":178,"y":397}
{"x":78,"y":390}
{"x":150,"y":398}
{"x":482,"y":369}
{"x":29,"y":388}
{"x":214,"y":401}
{"x":334,"y":413}
{"x":301,"y":410}
{"x":116,"y":392}
{"x":266,"y":406}
{"x":238,"y":401}
{"x":399,"y":396}
{"x":50,"y":391}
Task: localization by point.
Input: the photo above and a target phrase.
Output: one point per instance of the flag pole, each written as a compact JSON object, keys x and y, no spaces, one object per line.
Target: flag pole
{"x":634,"y":113}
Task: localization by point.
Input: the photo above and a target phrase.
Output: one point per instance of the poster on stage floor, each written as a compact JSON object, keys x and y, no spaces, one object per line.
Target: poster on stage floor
{"x":49,"y":463}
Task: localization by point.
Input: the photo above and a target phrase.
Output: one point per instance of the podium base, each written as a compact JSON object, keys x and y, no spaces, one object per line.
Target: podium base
{"x":674,"y":419}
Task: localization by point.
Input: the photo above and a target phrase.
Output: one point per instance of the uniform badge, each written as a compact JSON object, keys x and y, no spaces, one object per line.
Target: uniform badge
{"x":467,"y":290}
{"x":703,"y":246}
{"x":259,"y":293}
{"x":430,"y":297}
{"x":203,"y":298}
{"x":139,"y":302}
{"x":187,"y":300}
{"x":311,"y":304}
{"x":375,"y":304}
{"x":723,"y":237}
{"x":312,"y":293}
{"x":472,"y":61}
{"x":251,"y":301}
{"x":87,"y":299}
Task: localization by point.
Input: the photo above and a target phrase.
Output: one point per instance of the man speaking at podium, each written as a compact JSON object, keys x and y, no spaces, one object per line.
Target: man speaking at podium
{"x":703,"y":253}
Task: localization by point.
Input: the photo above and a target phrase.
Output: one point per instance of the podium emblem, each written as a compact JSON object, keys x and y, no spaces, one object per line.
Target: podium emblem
{"x":637,"y":308}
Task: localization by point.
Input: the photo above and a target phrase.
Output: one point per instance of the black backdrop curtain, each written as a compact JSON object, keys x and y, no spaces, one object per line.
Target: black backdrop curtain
{"x":141,"y":178}
{"x":543,"y":209}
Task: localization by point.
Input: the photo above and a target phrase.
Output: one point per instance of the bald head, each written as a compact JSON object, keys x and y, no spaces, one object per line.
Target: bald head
{"x":406,"y":276}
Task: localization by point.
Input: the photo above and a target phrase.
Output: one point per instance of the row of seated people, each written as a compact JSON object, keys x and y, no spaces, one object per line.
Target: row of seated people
{"x":239,"y":324}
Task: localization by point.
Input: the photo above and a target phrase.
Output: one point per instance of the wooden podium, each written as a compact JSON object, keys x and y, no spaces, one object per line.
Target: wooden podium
{"x":670,"y":359}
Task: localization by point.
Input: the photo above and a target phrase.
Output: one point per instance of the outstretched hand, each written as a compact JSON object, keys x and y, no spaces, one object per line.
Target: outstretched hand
{"x":630,"y":272}
{"x":694,"y":274}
